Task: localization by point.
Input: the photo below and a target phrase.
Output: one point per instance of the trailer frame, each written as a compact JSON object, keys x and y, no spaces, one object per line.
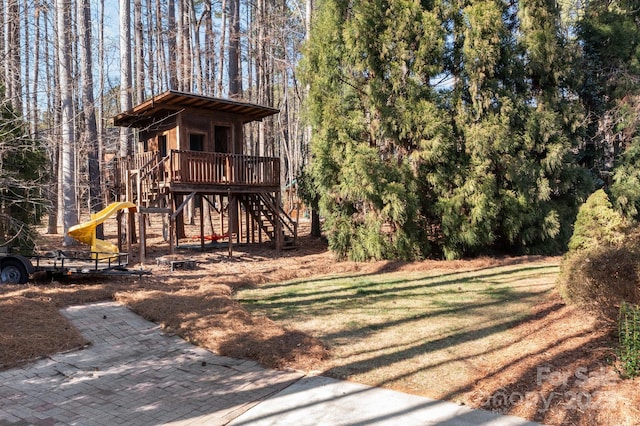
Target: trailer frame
{"x":17,"y":268}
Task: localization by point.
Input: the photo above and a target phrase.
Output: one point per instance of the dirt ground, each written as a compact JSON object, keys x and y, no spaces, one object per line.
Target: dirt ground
{"x":561,"y":369}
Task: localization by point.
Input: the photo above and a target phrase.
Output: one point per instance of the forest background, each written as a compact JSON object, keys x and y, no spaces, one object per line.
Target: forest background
{"x":436,"y":128}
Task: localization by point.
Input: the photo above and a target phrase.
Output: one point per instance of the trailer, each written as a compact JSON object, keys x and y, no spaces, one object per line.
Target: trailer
{"x":103,"y":258}
{"x":17,"y":269}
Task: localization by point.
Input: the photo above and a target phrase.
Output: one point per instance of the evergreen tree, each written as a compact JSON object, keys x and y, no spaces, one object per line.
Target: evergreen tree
{"x":519,"y":185}
{"x":487,"y":164}
{"x":609,"y":34}
{"x":378,"y":130}
{"x":625,"y":188}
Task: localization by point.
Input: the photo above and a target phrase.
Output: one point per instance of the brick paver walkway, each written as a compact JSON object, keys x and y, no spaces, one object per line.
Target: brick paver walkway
{"x":133,"y":374}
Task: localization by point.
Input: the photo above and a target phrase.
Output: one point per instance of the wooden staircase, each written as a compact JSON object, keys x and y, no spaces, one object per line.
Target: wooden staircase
{"x":269,"y":215}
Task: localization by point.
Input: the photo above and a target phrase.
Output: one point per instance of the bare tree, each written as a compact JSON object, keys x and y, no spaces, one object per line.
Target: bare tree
{"x":69,"y":204}
{"x":33,"y":122}
{"x":150,"y":43}
{"x":125,"y":73}
{"x":196,"y":49}
{"x":235,"y":84}
{"x":223,"y":33}
{"x":101,"y":87}
{"x":88,"y":105}
{"x":139,"y":50}
{"x":209,"y":40}
{"x":162,"y":66}
{"x":12,"y":52}
{"x":172,"y":45}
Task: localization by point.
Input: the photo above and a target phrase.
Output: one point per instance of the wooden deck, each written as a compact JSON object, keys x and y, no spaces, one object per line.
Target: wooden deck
{"x":188,"y":171}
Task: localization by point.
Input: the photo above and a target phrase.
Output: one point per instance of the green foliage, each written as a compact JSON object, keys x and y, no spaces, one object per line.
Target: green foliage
{"x":629,"y":339}
{"x":306,"y":188}
{"x":597,"y":224}
{"x":609,"y":40}
{"x":375,"y":122}
{"x":21,"y":181}
{"x":404,"y":169}
{"x":601,"y":269}
{"x":625,"y":189}
{"x":519,"y":187}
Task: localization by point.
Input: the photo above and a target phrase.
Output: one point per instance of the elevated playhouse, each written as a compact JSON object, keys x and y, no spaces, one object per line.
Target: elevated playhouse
{"x":191,"y":152}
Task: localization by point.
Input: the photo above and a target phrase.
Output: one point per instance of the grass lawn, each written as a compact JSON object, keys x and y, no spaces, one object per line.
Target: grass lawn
{"x":426,"y":332}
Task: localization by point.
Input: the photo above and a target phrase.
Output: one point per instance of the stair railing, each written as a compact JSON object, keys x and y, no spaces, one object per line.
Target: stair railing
{"x":290,"y":224}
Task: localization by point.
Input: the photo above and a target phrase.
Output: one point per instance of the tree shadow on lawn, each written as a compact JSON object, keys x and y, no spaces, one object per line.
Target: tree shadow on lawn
{"x":462,"y":265}
{"x":422,"y":348}
{"x":569,"y":387}
{"x":435,"y":277}
{"x":549,"y":372}
{"x":357,"y":292}
{"x":569,"y":378}
{"x":459,"y":309}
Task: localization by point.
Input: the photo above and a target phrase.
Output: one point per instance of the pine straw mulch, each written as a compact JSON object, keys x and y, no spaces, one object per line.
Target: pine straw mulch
{"x":198,"y":305}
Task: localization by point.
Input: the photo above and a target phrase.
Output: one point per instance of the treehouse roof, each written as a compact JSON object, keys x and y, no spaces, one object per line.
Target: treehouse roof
{"x":172,"y":102}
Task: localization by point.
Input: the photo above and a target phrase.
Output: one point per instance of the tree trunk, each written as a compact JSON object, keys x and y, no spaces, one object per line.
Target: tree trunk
{"x":316,"y":229}
{"x":69,"y":205}
{"x":162,"y":68}
{"x":139,"y":51}
{"x":88,"y":107}
{"x":196,"y":66}
{"x":171,"y":29}
{"x":210,"y":60}
{"x":125,"y":74}
{"x":150,"y":43}
{"x":235,"y":87}
{"x":100,"y":118}
{"x":33,"y":123}
{"x":52,"y":122}
{"x":223,"y":33}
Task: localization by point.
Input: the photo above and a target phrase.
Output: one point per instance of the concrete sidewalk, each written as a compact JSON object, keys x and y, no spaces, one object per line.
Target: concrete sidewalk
{"x":134,"y":374}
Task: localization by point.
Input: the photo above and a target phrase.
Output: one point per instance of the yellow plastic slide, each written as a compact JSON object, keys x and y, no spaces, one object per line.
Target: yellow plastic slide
{"x":86,"y":232}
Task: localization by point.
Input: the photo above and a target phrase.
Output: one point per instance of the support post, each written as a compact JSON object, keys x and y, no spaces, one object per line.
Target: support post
{"x":130,"y":225}
{"x":172,"y":231}
{"x":202,"y":222}
{"x":276,"y":214}
{"x":142,"y":222}
{"x":230,"y":224}
{"x":172,"y":225}
{"x":119,"y":229}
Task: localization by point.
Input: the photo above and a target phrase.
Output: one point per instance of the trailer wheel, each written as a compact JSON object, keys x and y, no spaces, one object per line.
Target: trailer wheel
{"x":13,"y":272}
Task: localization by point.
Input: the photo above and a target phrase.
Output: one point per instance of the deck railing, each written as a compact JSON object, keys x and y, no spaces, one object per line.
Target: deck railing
{"x":203,"y":168}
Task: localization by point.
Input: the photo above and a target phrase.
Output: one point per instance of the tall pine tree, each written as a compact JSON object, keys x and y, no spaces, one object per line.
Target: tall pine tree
{"x":407,"y":169}
{"x":610,"y":33}
{"x":377,"y":124}
{"x":519,"y":185}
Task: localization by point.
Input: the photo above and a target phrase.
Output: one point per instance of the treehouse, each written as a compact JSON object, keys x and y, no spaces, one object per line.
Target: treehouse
{"x":191,"y":153}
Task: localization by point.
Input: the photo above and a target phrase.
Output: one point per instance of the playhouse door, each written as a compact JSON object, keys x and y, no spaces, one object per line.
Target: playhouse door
{"x":222,"y":139}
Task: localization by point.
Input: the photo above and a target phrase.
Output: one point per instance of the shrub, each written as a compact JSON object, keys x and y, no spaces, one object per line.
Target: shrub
{"x":600,"y":279}
{"x":629,"y":339}
{"x":600,"y":271}
{"x":597,"y":224}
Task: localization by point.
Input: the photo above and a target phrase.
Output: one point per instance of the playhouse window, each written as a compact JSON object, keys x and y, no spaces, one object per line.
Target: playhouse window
{"x":196,"y":142}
